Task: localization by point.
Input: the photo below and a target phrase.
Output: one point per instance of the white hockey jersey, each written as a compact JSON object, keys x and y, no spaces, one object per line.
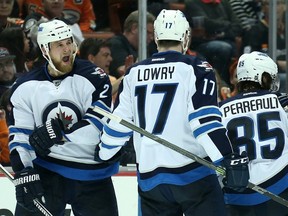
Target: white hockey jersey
{"x":258,"y":125}
{"x":37,"y":97}
{"x":173,"y":96}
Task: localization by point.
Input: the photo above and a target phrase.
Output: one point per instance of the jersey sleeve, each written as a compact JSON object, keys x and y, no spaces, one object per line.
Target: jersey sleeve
{"x":114,"y":134}
{"x":204,"y":115}
{"x":21,"y":126}
{"x":92,"y":123}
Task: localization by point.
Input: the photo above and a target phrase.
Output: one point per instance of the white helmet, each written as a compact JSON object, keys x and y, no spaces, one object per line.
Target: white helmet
{"x":51,"y":31}
{"x":172,"y":25}
{"x":251,"y":66}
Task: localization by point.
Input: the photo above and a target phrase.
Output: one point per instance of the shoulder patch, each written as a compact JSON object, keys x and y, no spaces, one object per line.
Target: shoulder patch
{"x":206,"y":65}
{"x":99,"y":71}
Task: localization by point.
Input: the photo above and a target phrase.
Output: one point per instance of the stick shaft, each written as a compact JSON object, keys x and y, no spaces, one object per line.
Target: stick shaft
{"x":186,"y":153}
{"x":37,"y":203}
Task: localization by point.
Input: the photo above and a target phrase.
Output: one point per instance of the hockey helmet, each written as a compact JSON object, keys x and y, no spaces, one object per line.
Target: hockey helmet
{"x":172,"y":25}
{"x":51,"y":31}
{"x":251,"y":66}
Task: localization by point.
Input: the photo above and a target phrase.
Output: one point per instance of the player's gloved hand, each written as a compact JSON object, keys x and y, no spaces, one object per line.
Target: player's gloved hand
{"x":28,"y":187}
{"x":45,"y":136}
{"x":237,"y":172}
{"x":112,"y":160}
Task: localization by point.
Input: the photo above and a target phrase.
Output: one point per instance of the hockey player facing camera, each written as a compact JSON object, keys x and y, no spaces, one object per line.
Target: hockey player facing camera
{"x":54,"y":131}
{"x":174,"y":96}
{"x":258,"y":125}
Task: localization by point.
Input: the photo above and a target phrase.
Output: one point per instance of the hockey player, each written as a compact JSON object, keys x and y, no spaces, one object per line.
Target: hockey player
{"x":54,"y":131}
{"x":258,"y":125}
{"x":173,"y":95}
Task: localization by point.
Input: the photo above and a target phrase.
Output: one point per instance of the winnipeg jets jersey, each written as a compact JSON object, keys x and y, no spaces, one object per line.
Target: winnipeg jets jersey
{"x":173,"y":96}
{"x":258,"y":125}
{"x":37,"y":97}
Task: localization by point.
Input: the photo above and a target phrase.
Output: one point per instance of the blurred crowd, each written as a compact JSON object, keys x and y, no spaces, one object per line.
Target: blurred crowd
{"x":222,"y":30}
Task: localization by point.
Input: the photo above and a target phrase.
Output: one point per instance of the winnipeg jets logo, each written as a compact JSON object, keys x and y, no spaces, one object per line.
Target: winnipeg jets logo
{"x":66,"y":119}
{"x":205,"y":65}
{"x":66,"y":111}
{"x":99,"y":71}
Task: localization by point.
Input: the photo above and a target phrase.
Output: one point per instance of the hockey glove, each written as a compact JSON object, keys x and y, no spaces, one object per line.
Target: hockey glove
{"x":237,"y":173}
{"x":112,"y":160}
{"x":28,"y":188}
{"x":46,"y":135}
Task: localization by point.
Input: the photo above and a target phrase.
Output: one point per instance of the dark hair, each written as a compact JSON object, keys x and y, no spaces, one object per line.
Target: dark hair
{"x":91,"y":46}
{"x":13,"y":39}
{"x":246,"y":86}
{"x":133,"y":18}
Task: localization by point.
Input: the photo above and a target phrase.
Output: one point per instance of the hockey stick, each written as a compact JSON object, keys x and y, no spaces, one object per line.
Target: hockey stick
{"x":186,"y":153}
{"x":37,"y":203}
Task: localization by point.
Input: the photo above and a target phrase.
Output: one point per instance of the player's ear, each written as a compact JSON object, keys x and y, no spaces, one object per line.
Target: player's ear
{"x":90,"y":58}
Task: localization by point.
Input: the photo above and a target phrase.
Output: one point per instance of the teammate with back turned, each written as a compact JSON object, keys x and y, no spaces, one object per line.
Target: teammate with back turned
{"x":54,"y":131}
{"x":258,"y":125}
{"x":174,"y":96}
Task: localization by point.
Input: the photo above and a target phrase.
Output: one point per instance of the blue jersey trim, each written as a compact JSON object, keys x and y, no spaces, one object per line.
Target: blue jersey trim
{"x":101,"y":105}
{"x":24,"y":145}
{"x":95,"y":122}
{"x":206,"y":128}
{"x":79,"y":174}
{"x":204,"y":112}
{"x":256,"y":198}
{"x":109,"y":146}
{"x":19,"y":130}
{"x":174,"y":179}
{"x":114,"y":133}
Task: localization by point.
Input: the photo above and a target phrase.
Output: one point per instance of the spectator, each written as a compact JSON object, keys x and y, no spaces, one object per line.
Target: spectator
{"x":80,"y":12}
{"x":30,"y":28}
{"x":5,"y":109}
{"x":51,"y":10}
{"x":220,"y":30}
{"x":127,"y":43}
{"x":98,"y":52}
{"x":15,"y":40}
{"x":6,"y":8}
{"x":247,"y":11}
{"x":7,"y":70}
{"x":182,"y":109}
{"x":261,"y":31}
{"x":258,"y":125}
{"x":4,"y":134}
{"x":54,"y":131}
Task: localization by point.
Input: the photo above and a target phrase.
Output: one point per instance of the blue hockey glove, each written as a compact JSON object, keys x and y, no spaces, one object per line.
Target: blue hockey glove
{"x":46,"y":136}
{"x":112,"y":160}
{"x":28,"y":187}
{"x":237,"y":172}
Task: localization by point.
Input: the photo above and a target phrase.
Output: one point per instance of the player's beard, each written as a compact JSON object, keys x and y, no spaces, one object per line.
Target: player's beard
{"x":64,"y":68}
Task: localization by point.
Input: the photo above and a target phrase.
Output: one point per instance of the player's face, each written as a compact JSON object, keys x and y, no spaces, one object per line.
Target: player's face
{"x":61,"y":53}
{"x":103,"y":59}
